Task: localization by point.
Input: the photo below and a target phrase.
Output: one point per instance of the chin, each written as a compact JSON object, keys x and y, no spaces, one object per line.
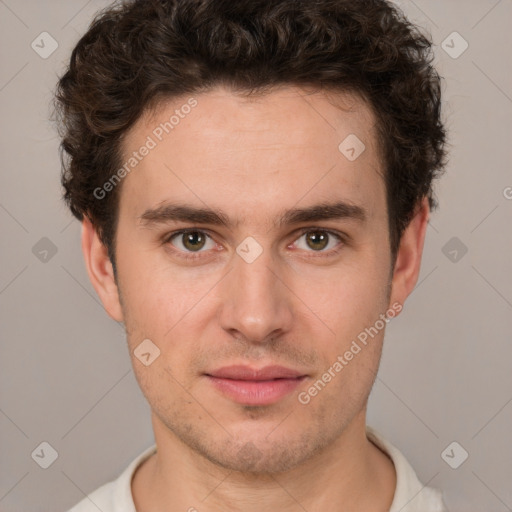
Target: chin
{"x":250,"y":459}
{"x":260,"y":451}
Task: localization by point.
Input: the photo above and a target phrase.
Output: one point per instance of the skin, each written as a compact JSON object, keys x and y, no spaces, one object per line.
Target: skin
{"x":295,"y":305}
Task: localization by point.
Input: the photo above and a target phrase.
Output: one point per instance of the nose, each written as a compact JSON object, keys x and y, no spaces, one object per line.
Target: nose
{"x":256,"y":303}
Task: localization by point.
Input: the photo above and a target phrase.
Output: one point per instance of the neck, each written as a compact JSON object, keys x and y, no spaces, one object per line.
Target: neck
{"x":350,"y":474}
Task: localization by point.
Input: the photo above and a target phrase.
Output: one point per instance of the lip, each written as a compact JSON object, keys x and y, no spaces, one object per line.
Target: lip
{"x":251,"y":386}
{"x":241,"y":372}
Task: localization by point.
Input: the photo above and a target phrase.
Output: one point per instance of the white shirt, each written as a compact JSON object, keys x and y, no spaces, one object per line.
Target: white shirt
{"x":410,"y":494}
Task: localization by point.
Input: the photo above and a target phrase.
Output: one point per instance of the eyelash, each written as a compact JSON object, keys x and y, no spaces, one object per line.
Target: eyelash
{"x":194,"y":256}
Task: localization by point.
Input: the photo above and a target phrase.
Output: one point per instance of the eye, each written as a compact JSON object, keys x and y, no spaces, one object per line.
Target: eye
{"x":191,"y":240}
{"x":319,"y":240}
{"x":190,"y":243}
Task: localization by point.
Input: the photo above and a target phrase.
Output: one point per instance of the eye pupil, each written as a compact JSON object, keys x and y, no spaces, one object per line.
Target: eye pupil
{"x":317,"y":237}
{"x":193,"y":240}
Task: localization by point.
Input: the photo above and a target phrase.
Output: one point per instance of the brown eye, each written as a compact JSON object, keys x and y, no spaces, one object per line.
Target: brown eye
{"x":190,"y":241}
{"x":319,"y":240}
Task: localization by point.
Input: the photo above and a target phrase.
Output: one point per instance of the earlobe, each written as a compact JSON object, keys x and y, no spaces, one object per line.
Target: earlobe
{"x":100,"y":271}
{"x":408,"y":260}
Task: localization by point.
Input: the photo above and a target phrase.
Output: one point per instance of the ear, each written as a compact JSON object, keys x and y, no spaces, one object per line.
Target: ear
{"x":408,"y":260}
{"x":99,"y":268}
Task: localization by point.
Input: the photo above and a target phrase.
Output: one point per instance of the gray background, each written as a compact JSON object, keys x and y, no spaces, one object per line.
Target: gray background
{"x":66,"y":377}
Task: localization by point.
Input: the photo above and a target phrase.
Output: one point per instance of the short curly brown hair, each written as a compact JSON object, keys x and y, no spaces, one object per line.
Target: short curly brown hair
{"x":139,"y":52}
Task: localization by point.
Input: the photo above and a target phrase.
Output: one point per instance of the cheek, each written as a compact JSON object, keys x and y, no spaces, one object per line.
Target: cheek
{"x":163,"y":389}
{"x":169,"y":312}
{"x":348,"y":299}
{"x":157,"y":297}
{"x":350,"y":354}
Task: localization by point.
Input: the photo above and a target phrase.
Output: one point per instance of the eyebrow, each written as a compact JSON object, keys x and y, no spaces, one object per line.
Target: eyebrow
{"x":172,"y":212}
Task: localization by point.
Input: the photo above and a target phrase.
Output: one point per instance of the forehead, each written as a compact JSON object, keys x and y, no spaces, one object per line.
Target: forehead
{"x":285,"y":114}
{"x":244,"y":153}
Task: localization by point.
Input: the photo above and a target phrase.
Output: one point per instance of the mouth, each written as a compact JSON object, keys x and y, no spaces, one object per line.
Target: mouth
{"x":250,"y":386}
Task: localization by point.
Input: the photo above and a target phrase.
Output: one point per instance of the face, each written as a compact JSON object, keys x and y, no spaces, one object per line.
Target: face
{"x":267,"y":274}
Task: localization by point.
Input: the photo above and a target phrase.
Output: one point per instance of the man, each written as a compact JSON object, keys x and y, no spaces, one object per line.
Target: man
{"x":254,"y":181}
